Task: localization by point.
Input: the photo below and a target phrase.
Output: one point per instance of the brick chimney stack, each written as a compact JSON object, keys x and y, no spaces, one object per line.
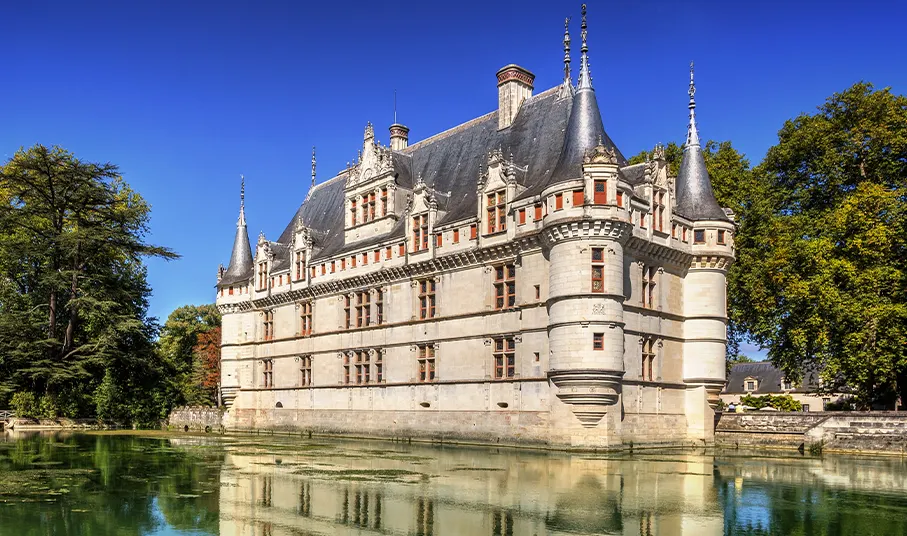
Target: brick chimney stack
{"x":399,"y":137}
{"x":514,"y":87}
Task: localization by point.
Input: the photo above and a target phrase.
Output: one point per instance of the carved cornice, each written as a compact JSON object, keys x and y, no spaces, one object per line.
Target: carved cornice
{"x":574,"y":229}
{"x":659,"y":252}
{"x":589,"y":391}
{"x":711,"y":262}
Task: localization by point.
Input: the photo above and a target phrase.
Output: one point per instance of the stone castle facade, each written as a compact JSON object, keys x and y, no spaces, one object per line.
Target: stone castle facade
{"x":512,"y":279}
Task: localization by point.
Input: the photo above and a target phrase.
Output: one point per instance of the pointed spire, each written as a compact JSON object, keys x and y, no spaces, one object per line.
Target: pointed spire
{"x":585,"y":78}
{"x":240,"y":267}
{"x":313,"y":166}
{"x":242,"y":201}
{"x":695,"y":199}
{"x":567,"y":78}
{"x":692,"y":132}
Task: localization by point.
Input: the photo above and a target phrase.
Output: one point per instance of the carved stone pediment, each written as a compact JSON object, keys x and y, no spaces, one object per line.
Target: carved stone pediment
{"x":375,"y":161}
{"x":601,"y":155}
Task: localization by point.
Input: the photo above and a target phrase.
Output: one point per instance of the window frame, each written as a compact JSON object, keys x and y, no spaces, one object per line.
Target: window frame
{"x":426,"y":363}
{"x":504,"y":286}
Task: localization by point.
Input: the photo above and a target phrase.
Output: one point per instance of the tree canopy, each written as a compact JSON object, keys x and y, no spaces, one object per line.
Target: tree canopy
{"x":74,"y":329}
{"x":820,"y":270}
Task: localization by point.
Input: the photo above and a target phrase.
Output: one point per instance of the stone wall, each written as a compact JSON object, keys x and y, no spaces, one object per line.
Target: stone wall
{"x":196,"y":419}
{"x":884,"y":432}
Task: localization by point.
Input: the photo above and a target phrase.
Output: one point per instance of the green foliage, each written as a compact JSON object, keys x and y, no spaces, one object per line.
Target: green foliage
{"x":822,"y":246}
{"x":177,"y":347}
{"x":779,"y":402}
{"x":25,"y":405}
{"x":816,"y":448}
{"x":73,"y":289}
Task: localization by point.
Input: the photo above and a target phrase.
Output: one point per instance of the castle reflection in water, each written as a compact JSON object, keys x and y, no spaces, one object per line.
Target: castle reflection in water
{"x":384,"y":488}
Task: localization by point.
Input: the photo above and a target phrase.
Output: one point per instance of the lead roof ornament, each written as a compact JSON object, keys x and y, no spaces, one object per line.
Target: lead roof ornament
{"x":566,"y":89}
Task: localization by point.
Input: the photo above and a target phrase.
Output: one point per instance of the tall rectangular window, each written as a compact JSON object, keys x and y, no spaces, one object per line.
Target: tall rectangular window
{"x":643,"y":217}
{"x":364,"y":258}
{"x":504,"y":358}
{"x":267,"y":373}
{"x":648,"y":286}
{"x":620,"y":199}
{"x":268,"y":325}
{"x":439,"y":239}
{"x":262,"y":275}
{"x":402,"y":251}
{"x":347,"y":312}
{"x":578,"y":198}
{"x":598,"y":270}
{"x":300,"y":264}
{"x":368,"y":207}
{"x":379,"y":306}
{"x":363,"y":308}
{"x":384,"y":201}
{"x":473,"y":231}
{"x":497,"y":214}
{"x":347,"y":368}
{"x":353,"y":261}
{"x":647,"y":366}
{"x":379,"y":366}
{"x":538,"y":212}
{"x":558,"y":201}
{"x":600,"y":193}
{"x":363,"y":366}
{"x":353,"y":212}
{"x":456,"y":236}
{"x":305,"y":318}
{"x":658,"y":212}
{"x":426,"y":362}
{"x":305,"y":371}
{"x":598,"y":341}
{"x":420,"y":232}
{"x":427,"y":298}
{"x":377,"y":255}
{"x":522,"y":216}
{"x":504,"y":286}
{"x":721,"y":238}
{"x":388,"y":253}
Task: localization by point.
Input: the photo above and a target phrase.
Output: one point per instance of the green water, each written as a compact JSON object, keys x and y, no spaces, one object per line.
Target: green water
{"x":159,"y":484}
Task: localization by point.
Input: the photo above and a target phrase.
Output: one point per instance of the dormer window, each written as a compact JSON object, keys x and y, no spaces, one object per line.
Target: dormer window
{"x":262,"y":275}
{"x":750,"y":384}
{"x":354,"y":219}
{"x":497,"y":213}
{"x":420,"y":232}
{"x":658,"y":210}
{"x":300,"y":264}
{"x":368,"y":207}
{"x":786,"y":385}
{"x":600,"y":192}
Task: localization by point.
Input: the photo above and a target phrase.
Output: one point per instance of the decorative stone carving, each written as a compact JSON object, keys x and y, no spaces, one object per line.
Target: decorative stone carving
{"x":601,"y":155}
{"x":589,"y":391}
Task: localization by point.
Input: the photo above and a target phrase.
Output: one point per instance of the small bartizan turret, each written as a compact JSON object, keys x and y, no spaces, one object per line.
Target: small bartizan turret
{"x":240,"y":268}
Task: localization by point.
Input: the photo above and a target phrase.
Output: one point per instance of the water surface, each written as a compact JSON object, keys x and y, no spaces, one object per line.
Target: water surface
{"x":175,"y":485}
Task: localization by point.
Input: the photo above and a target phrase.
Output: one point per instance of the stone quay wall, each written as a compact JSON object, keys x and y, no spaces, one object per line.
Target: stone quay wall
{"x":878,"y":431}
{"x":196,"y":419}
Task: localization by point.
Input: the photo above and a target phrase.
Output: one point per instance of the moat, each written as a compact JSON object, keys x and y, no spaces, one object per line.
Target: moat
{"x":173,"y":484}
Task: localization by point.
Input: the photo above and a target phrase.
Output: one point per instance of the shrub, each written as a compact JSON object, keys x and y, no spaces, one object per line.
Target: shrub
{"x":779,"y":402}
{"x":25,"y":405}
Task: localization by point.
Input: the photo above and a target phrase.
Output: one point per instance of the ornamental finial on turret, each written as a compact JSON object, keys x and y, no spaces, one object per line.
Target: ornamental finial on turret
{"x":567,"y":78}
{"x":313,"y":166}
{"x":585,"y":79}
{"x":242,"y":200}
{"x":692,"y":131}
{"x":369,"y":131}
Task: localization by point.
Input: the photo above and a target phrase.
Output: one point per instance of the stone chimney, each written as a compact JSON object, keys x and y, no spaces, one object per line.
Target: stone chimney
{"x":514,"y":87}
{"x":399,"y":137}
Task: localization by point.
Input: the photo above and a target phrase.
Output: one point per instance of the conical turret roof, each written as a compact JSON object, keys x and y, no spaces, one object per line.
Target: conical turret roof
{"x":694,"y":197}
{"x":241,"y":265}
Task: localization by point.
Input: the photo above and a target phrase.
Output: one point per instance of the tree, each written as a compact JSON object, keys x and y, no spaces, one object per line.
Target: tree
{"x":189,"y":354}
{"x":73,"y":289}
{"x":207,"y":364}
{"x":822,"y":246}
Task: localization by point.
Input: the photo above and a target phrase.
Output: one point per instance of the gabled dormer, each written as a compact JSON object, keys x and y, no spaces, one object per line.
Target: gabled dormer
{"x":301,"y":251}
{"x":264,"y":256}
{"x":426,"y":207}
{"x":496,"y":188}
{"x":372,"y":193}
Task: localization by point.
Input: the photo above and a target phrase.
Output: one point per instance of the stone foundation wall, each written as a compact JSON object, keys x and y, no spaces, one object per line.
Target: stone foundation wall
{"x":883,"y":432}
{"x":196,"y":419}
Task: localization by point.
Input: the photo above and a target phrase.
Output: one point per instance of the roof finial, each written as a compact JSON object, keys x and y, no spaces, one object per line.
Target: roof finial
{"x":692,"y":132}
{"x":585,"y":79}
{"x":567,"y":78}
{"x":242,"y":200}
{"x":313,"y":166}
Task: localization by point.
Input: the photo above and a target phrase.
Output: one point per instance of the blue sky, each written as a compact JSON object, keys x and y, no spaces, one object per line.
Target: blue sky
{"x":186,"y":96}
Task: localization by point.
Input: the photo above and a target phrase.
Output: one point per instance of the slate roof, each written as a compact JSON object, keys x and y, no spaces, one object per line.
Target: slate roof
{"x":769,"y":380}
{"x":240,"y":267}
{"x":695,"y":199}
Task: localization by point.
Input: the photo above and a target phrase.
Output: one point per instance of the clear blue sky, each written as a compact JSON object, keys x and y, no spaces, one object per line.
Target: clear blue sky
{"x":186,"y":96}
